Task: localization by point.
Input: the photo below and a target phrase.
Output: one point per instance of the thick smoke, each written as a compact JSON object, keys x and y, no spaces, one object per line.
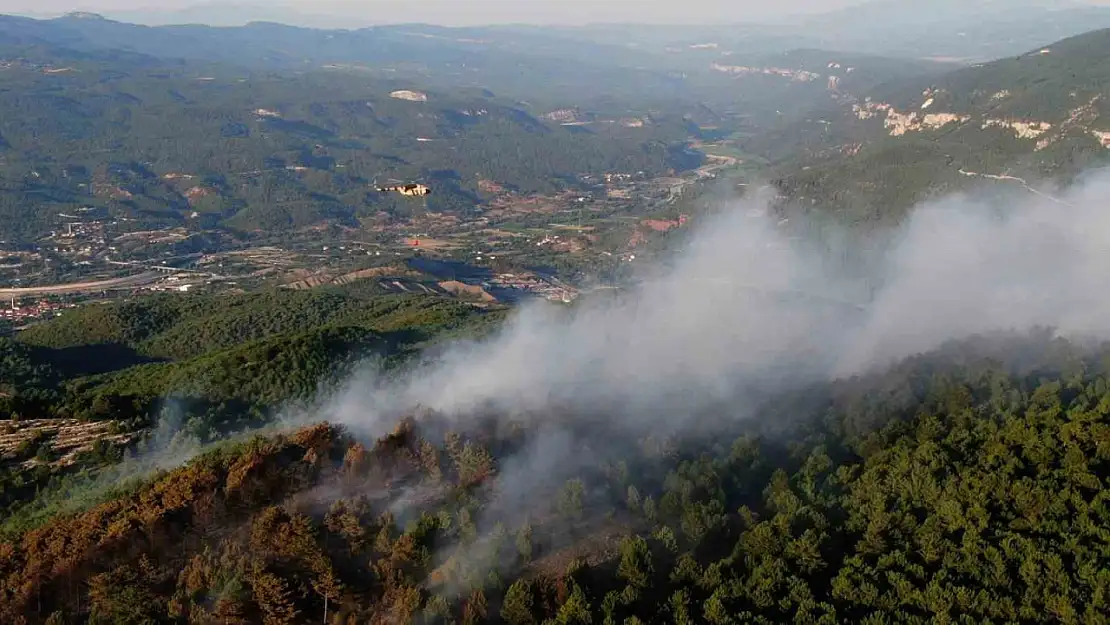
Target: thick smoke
{"x":747,"y":309}
{"x":741,"y":305}
{"x":961,"y":269}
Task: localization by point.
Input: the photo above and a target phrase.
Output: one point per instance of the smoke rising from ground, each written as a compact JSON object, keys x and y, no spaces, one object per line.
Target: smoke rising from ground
{"x":962,"y":269}
{"x":726,"y":312}
{"x":745,"y":311}
{"x":746,"y":308}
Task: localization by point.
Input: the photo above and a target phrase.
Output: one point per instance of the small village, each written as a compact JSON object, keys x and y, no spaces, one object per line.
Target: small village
{"x":94,"y":255}
{"x":17,"y":311}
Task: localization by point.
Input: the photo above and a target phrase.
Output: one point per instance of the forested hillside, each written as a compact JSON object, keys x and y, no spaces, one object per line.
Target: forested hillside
{"x":174,"y":327}
{"x":170,"y":143}
{"x":964,"y":485}
{"x":1041,"y":116}
{"x":22,"y":368}
{"x":217,"y":355}
{"x":83,"y":390}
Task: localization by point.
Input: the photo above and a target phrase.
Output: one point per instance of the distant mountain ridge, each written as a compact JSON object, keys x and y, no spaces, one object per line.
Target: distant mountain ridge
{"x":1037,"y":113}
{"x":974,"y":31}
{"x":525,"y":63}
{"x":237,"y":14}
{"x":949,"y":29}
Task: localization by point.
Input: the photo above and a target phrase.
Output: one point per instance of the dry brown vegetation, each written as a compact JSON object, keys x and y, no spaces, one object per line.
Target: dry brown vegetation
{"x":459,"y":288}
{"x":117,"y":558}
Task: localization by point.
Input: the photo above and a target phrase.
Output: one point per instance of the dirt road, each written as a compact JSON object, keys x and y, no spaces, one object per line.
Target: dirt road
{"x":81,"y":287}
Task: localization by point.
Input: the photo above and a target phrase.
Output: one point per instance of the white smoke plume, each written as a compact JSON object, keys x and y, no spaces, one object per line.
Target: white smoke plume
{"x":745,"y":307}
{"x":962,"y":269}
{"x":744,"y":311}
{"x":727,"y":311}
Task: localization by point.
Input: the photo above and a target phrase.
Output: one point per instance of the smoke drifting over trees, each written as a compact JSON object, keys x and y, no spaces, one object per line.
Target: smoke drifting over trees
{"x":747,"y":308}
{"x":671,"y":454}
{"x":961,"y":269}
{"x":744,"y":314}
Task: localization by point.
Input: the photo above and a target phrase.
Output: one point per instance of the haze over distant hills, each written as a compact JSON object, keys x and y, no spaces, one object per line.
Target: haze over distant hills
{"x":500,"y":11}
{"x":964,"y":30}
{"x":238,"y":14}
{"x":355,"y":13}
{"x":679,"y":79}
{"x":950,"y":28}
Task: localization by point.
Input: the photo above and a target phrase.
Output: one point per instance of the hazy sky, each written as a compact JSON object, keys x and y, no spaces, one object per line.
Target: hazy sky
{"x":470,"y":11}
{"x":357,"y":13}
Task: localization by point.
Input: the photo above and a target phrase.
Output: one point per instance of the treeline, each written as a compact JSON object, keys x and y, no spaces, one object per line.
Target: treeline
{"x":221,"y":358}
{"x":966,"y":485}
{"x":176,"y":327}
{"x":21,"y":368}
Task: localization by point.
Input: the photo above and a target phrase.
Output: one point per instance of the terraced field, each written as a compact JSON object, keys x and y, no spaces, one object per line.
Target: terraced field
{"x":66,"y":439}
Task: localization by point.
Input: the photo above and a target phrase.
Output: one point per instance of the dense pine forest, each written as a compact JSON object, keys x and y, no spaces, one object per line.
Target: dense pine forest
{"x":964,"y":485}
{"x":256,"y":349}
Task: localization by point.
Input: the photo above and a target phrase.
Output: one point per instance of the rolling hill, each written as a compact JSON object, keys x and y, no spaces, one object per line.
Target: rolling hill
{"x":267,"y":127}
{"x":1040,"y":116}
{"x":203,"y":145}
{"x":521,"y":62}
{"x":210,"y":365}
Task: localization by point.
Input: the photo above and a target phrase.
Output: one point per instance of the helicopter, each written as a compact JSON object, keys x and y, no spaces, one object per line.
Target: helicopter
{"x":411,"y":189}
